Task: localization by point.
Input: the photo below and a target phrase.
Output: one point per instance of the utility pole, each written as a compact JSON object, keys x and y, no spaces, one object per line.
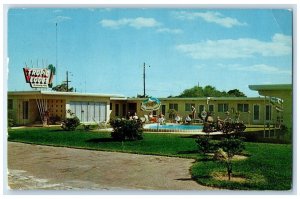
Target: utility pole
{"x":56,"y":52}
{"x":67,"y":81}
{"x":144,"y":77}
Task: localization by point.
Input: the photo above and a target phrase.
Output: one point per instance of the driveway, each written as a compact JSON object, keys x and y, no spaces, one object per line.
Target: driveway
{"x":59,"y":168}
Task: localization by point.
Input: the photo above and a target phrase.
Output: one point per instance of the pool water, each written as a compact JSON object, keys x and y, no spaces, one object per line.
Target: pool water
{"x":171,"y":127}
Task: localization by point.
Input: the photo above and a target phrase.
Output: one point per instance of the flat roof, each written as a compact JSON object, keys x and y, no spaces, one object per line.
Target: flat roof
{"x":271,"y":87}
{"x":64,"y":93}
{"x":200,"y":98}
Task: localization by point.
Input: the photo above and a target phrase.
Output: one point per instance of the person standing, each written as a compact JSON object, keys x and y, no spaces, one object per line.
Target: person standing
{"x":193,"y":112}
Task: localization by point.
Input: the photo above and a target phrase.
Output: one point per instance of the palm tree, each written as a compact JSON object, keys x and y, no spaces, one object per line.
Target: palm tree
{"x":52,"y":73}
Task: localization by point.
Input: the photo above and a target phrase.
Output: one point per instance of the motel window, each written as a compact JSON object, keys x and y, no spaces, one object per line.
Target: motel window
{"x":201,"y":108}
{"x":211,"y":108}
{"x":268,"y":112}
{"x":256,"y":112}
{"x":123,"y":109}
{"x":10,"y":104}
{"x":117,"y":110}
{"x":110,"y":106}
{"x":222,"y":107}
{"x":173,"y":106}
{"x":25,"y":109}
{"x":243,"y":107}
{"x":188,"y":106}
{"x":163,"y":109}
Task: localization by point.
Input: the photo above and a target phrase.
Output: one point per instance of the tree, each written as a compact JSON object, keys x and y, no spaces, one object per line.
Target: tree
{"x":209,"y":91}
{"x":196,"y":91}
{"x":229,"y":147}
{"x":53,"y":71}
{"x":62,"y":88}
{"x":142,"y":96}
{"x":236,"y":93}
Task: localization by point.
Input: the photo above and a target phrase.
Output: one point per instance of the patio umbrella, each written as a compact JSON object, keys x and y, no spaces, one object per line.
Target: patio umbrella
{"x":150,"y":104}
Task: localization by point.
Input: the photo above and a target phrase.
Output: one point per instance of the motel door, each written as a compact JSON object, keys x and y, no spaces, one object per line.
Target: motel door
{"x":89,"y":111}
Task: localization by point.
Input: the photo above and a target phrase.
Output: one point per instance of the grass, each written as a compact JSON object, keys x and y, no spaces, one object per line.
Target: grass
{"x":269,"y":166}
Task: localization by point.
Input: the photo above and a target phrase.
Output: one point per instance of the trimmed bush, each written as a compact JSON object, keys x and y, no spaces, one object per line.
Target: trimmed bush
{"x":127,"y":129}
{"x":54,"y":119}
{"x":11,"y":121}
{"x":206,"y":145}
{"x":70,"y":124}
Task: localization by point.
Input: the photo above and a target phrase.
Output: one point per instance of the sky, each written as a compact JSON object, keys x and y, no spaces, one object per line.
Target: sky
{"x":104,"y":49}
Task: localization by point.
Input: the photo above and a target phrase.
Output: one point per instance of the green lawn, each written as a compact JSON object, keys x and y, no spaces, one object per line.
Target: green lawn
{"x":269,"y":166}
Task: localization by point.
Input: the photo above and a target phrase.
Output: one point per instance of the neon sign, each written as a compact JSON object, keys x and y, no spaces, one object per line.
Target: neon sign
{"x":38,"y":77}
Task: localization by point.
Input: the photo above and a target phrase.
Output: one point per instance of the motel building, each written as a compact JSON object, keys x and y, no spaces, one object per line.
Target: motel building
{"x":272,"y":108}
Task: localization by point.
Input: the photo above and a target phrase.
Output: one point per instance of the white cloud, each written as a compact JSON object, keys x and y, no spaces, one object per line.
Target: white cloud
{"x":59,"y":19}
{"x":258,"y":68}
{"x":238,"y":48}
{"x":137,"y":23}
{"x":211,"y":17}
{"x":169,"y":30}
{"x":264,"y":69}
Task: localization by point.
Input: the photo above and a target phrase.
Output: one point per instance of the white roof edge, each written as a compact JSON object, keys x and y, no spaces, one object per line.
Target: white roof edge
{"x":81,"y":94}
{"x":119,"y":98}
{"x":203,"y":98}
{"x":67,"y":93}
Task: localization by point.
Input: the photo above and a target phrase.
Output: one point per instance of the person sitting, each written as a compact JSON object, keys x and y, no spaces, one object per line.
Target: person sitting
{"x":209,"y":118}
{"x":220,"y":123}
{"x":161,"y":118}
{"x":128,"y":116}
{"x":135,"y":117}
{"x":150,"y":115}
{"x":188,"y":119}
{"x":177,"y":118}
{"x":152,"y":118}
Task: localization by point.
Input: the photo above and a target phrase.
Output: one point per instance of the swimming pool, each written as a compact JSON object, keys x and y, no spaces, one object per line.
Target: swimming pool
{"x":173,"y":127}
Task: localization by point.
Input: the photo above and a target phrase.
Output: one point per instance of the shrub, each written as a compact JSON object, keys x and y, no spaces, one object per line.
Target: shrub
{"x":172,"y":113}
{"x":127,"y":129}
{"x":209,"y":127}
{"x":54,"y":119}
{"x":11,"y":121}
{"x":206,"y":144}
{"x":70,"y":124}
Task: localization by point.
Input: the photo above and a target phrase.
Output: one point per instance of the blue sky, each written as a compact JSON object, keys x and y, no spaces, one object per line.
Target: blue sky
{"x":104,"y":49}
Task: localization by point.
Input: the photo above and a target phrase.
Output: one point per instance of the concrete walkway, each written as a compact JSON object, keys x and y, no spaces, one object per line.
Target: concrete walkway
{"x":33,"y":167}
